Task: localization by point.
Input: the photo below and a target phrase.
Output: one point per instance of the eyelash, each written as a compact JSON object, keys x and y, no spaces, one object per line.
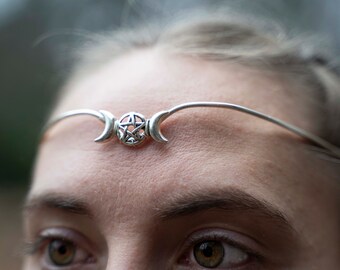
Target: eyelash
{"x":193,"y":240}
{"x":32,"y":248}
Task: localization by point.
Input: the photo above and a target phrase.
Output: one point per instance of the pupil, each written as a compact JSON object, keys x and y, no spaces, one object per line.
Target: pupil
{"x":63,"y":250}
{"x":207,"y":250}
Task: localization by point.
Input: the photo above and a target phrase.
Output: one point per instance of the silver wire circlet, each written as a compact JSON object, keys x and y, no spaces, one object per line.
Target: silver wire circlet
{"x":133,"y":128}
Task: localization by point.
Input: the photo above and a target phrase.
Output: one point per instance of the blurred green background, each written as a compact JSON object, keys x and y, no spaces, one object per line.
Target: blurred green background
{"x":37,"y":39}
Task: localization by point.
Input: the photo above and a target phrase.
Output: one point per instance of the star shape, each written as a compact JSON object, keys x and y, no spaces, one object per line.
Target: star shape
{"x":132,"y":136}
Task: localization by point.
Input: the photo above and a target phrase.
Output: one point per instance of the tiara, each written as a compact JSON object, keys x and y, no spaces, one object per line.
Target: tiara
{"x":133,"y":128}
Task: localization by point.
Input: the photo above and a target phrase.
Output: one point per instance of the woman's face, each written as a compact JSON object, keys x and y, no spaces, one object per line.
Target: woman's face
{"x":228,"y":191}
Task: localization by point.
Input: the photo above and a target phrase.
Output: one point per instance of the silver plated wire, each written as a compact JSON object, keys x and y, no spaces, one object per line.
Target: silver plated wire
{"x":133,"y":128}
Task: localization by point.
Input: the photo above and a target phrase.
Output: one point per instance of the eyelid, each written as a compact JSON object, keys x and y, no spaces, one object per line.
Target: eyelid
{"x":63,"y":234}
{"x":232,"y":238}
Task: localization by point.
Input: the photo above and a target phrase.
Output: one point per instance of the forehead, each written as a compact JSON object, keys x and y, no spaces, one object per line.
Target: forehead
{"x":208,"y":148}
{"x":149,"y":81}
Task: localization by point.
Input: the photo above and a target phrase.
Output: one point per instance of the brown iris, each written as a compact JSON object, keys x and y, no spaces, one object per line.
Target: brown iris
{"x":209,"y":254}
{"x":61,"y":252}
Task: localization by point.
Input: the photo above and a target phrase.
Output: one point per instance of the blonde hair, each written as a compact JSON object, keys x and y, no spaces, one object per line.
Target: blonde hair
{"x":221,"y":37}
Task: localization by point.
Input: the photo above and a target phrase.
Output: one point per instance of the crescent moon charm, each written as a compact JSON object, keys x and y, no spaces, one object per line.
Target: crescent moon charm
{"x":109,"y":128}
{"x":154,"y":126}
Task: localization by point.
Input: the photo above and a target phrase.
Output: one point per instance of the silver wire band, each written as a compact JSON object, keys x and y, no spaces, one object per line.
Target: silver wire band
{"x":133,"y":128}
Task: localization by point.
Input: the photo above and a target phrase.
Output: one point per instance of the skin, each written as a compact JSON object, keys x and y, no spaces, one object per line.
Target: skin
{"x":137,"y":197}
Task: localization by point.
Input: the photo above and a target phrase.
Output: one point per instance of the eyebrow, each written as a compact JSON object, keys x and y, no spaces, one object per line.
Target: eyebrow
{"x":230,"y":200}
{"x":65,"y":203}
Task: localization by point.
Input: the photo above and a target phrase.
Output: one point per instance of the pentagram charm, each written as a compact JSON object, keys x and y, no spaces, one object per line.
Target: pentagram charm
{"x":131,"y":129}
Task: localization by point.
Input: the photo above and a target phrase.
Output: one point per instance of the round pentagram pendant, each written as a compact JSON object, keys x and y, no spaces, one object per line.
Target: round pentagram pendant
{"x":131,"y":128}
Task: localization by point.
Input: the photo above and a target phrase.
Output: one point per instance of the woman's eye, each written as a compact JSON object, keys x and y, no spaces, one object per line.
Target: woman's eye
{"x":62,"y":248}
{"x":212,"y":254}
{"x":220,"y":249}
{"x":61,"y":252}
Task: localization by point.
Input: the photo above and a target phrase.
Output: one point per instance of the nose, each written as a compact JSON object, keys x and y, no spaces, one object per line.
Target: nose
{"x":131,"y":255}
{"x":123,"y":262}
